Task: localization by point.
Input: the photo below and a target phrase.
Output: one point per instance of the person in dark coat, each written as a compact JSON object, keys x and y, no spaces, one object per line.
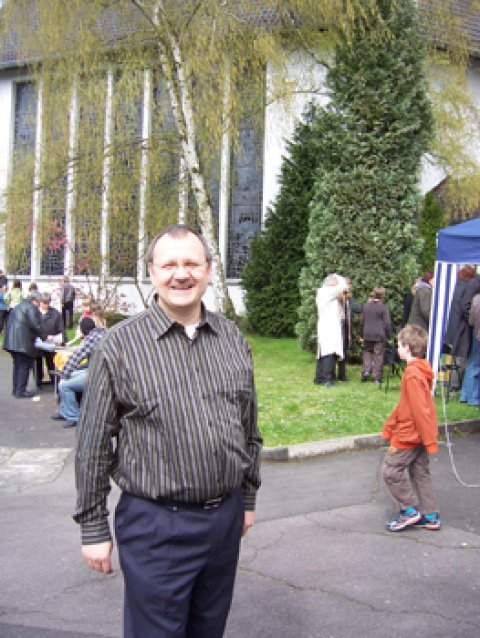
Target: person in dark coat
{"x":471,"y":289}
{"x":53,"y":325}
{"x":471,"y":380}
{"x":451,"y":338}
{"x":375,"y":326}
{"x":67,"y":292}
{"x":457,"y":336}
{"x":348,"y":306}
{"x":23,"y":326}
{"x":422,"y":301}
{"x":407,"y":303}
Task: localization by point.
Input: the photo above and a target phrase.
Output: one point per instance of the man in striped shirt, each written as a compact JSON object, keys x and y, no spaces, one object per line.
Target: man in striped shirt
{"x":169,"y":413}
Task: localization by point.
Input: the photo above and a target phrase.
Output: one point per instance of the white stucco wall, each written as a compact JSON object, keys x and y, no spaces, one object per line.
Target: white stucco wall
{"x":307,"y":83}
{"x":307,"y":79}
{"x":432,"y":174}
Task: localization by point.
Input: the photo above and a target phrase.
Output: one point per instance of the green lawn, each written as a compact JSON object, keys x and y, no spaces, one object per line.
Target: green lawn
{"x":294,"y":410}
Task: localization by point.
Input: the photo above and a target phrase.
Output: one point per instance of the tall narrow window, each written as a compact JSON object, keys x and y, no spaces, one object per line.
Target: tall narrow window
{"x":89,"y":164}
{"x":125,"y":174}
{"x":20,"y":188}
{"x":245,"y":214}
{"x":54,"y":167}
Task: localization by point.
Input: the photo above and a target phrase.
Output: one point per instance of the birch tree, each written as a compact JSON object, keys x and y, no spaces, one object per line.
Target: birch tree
{"x":211,"y":57}
{"x":207,"y":59}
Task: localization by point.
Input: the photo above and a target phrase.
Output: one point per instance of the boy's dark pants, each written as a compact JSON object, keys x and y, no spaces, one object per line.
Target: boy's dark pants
{"x":407,"y":477}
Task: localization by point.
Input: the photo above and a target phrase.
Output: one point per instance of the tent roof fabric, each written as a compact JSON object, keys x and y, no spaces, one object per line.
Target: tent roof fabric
{"x":460,"y":244}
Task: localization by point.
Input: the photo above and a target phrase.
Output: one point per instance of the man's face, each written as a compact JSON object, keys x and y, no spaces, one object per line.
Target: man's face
{"x":180,"y":274}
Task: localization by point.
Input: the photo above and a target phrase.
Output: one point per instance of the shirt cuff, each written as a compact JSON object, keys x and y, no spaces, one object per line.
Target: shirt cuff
{"x":249,"y":500}
{"x":96,"y":532}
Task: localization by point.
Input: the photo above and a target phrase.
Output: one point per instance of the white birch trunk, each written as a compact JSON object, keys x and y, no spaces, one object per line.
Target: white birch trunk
{"x":106,"y":179}
{"x":173,"y":68}
{"x":36,"y":256}
{"x":144,"y":161}
{"x":69,"y":251}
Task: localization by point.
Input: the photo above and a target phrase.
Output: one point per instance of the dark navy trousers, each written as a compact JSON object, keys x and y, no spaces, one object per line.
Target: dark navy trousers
{"x":22,"y":364}
{"x":179,"y":564}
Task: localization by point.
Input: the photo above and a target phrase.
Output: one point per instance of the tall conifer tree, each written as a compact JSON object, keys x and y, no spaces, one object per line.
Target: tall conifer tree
{"x":270,"y":277}
{"x":364,"y":215}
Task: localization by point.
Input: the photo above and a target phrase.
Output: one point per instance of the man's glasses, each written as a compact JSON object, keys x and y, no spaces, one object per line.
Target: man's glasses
{"x":191,"y":267}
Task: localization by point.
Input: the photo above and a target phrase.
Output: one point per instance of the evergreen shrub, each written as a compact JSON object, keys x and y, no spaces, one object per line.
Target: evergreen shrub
{"x":270,"y":277}
{"x":377,"y":126}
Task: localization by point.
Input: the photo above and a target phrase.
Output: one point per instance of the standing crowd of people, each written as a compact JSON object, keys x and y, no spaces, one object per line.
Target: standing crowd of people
{"x":35,"y":332}
{"x":335,"y":309}
{"x":462,"y":336}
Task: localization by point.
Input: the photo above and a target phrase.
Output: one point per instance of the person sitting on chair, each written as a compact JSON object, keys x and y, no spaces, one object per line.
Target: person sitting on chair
{"x":74,"y":374}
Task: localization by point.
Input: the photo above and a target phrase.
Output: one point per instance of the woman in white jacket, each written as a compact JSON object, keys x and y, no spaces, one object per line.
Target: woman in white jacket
{"x":329,"y":328}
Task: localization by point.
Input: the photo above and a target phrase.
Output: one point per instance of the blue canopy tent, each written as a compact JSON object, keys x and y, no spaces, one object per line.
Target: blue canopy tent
{"x":456,"y":245}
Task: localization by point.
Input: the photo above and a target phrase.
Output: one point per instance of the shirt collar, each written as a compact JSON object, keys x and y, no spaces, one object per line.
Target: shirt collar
{"x":163,"y":323}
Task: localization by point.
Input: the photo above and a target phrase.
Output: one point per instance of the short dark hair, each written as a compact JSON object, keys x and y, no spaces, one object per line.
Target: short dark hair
{"x":415,"y":338}
{"x":87,"y":325}
{"x":378,"y":293}
{"x":466,"y":273}
{"x":178,"y":231}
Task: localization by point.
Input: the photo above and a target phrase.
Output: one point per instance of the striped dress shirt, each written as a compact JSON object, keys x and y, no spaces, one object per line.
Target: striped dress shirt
{"x":167,"y":417}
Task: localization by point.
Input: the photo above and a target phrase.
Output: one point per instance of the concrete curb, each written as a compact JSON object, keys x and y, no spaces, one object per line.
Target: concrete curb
{"x":313,"y":449}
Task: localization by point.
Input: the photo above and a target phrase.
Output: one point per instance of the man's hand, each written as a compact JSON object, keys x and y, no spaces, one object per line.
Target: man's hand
{"x":97,"y":556}
{"x":248,"y":521}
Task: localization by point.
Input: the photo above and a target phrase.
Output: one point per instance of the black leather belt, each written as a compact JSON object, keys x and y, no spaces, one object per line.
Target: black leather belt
{"x":210,"y":504}
{"x":213,"y":503}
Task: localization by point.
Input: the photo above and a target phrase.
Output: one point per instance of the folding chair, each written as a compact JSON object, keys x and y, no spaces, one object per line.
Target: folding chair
{"x":392,"y":364}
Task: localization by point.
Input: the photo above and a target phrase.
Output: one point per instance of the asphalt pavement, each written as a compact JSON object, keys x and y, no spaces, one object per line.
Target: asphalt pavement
{"x":318,"y":562}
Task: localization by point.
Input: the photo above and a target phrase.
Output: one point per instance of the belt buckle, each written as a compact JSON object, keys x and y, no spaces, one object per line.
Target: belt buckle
{"x":212,"y":503}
